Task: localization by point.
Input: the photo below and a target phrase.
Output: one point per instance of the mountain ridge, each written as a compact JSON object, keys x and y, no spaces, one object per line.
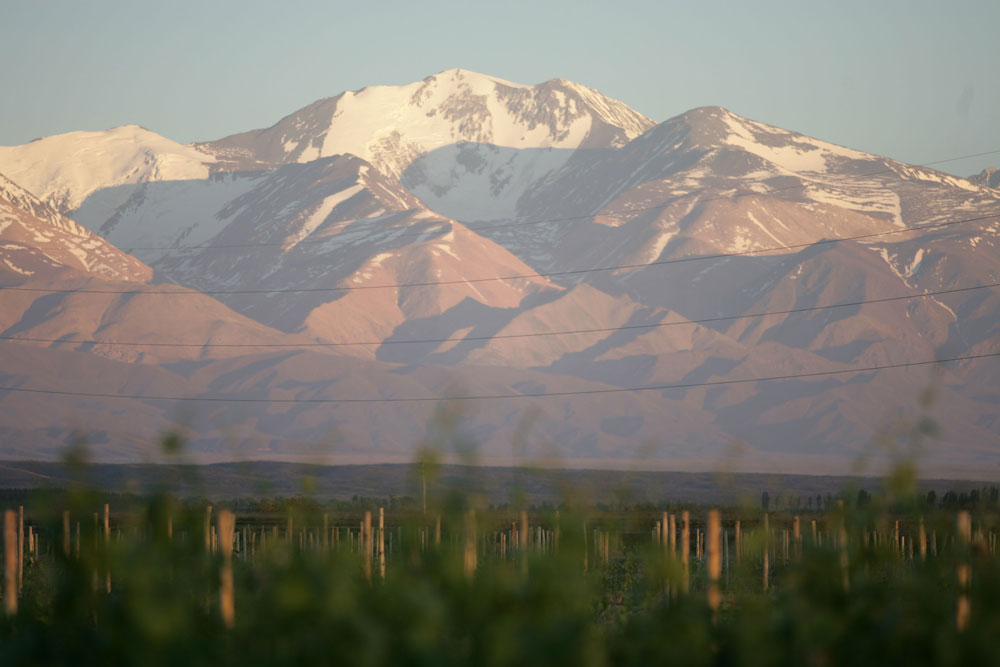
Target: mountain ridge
{"x":385,"y":243}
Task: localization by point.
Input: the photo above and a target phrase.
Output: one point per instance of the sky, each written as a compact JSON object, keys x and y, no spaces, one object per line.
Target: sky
{"x":917,"y":81}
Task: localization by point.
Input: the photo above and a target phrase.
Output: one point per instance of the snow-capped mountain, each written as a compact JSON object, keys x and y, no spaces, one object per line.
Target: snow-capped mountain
{"x":990,"y":177}
{"x":428,"y":233}
{"x":36,"y":241}
{"x":453,"y":139}
{"x":334,"y":222}
{"x":65,"y":169}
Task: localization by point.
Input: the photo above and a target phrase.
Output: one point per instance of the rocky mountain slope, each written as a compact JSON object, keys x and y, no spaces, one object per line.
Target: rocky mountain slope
{"x":467,"y":236}
{"x":989,"y":177}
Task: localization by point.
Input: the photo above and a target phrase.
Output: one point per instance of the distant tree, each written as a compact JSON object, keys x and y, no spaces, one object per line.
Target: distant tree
{"x":950,"y":500}
{"x":863,"y":498}
{"x":931,"y":498}
{"x":765,"y":501}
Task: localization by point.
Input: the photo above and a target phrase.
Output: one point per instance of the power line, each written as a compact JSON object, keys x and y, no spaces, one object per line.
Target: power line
{"x":725,"y":318}
{"x":551,"y":274}
{"x":476,"y":228}
{"x":581,"y":392}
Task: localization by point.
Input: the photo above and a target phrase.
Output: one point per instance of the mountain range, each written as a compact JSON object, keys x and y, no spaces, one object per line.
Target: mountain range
{"x":287,"y":292}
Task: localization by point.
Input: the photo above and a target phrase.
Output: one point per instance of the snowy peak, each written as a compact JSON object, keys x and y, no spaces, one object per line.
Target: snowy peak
{"x":393,"y":125}
{"x":989,"y":177}
{"x":63,"y":170}
{"x":36,"y":240}
{"x":716,"y":129}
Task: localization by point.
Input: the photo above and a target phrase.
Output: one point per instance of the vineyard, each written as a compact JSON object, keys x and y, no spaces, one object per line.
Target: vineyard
{"x":163,"y":581}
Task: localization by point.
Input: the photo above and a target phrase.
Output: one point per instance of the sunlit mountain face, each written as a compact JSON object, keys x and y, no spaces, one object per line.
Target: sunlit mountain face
{"x":560,"y":276}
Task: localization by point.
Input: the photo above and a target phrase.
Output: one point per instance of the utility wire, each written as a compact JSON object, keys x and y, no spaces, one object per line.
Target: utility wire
{"x":463,"y":281}
{"x":725,"y":318}
{"x":476,"y":228}
{"x":581,"y":392}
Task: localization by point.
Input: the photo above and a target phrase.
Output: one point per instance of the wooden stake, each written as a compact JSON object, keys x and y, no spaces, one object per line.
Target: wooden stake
{"x":381,"y":542}
{"x":66,"y":534}
{"x":845,"y":579}
{"x":20,"y":547}
{"x":685,"y":551}
{"x":208,"y":529}
{"x":227,"y":524}
{"x":107,"y":538}
{"x":767,"y":552}
{"x":523,"y":540}
{"x":922,"y":536}
{"x":797,"y":536}
{"x":470,"y":544}
{"x":739,"y":543}
{"x":10,"y":561}
{"x":964,"y":573}
{"x":713,"y":546}
{"x":366,"y":530}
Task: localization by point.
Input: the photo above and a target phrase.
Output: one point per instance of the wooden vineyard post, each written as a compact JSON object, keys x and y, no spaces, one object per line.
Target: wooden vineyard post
{"x":366,"y":553}
{"x":685,"y":551}
{"x":665,"y":533}
{"x":726,"y":563}
{"x":523,"y":540}
{"x":10,"y":562}
{"x":845,"y":574}
{"x":712,"y":546}
{"x":66,"y":533}
{"x":922,"y":536}
{"x":437,"y":531}
{"x":739,"y":542}
{"x":20,"y":547}
{"x":470,"y":559}
{"x":381,"y":542}
{"x":964,"y":573}
{"x":797,"y":536}
{"x":107,"y":540}
{"x":208,"y":529}
{"x":767,"y":552}
{"x":227,"y":524}
{"x":673,"y":533}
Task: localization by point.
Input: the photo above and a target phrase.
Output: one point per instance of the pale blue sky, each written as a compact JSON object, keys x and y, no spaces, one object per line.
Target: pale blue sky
{"x":914,"y":80}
